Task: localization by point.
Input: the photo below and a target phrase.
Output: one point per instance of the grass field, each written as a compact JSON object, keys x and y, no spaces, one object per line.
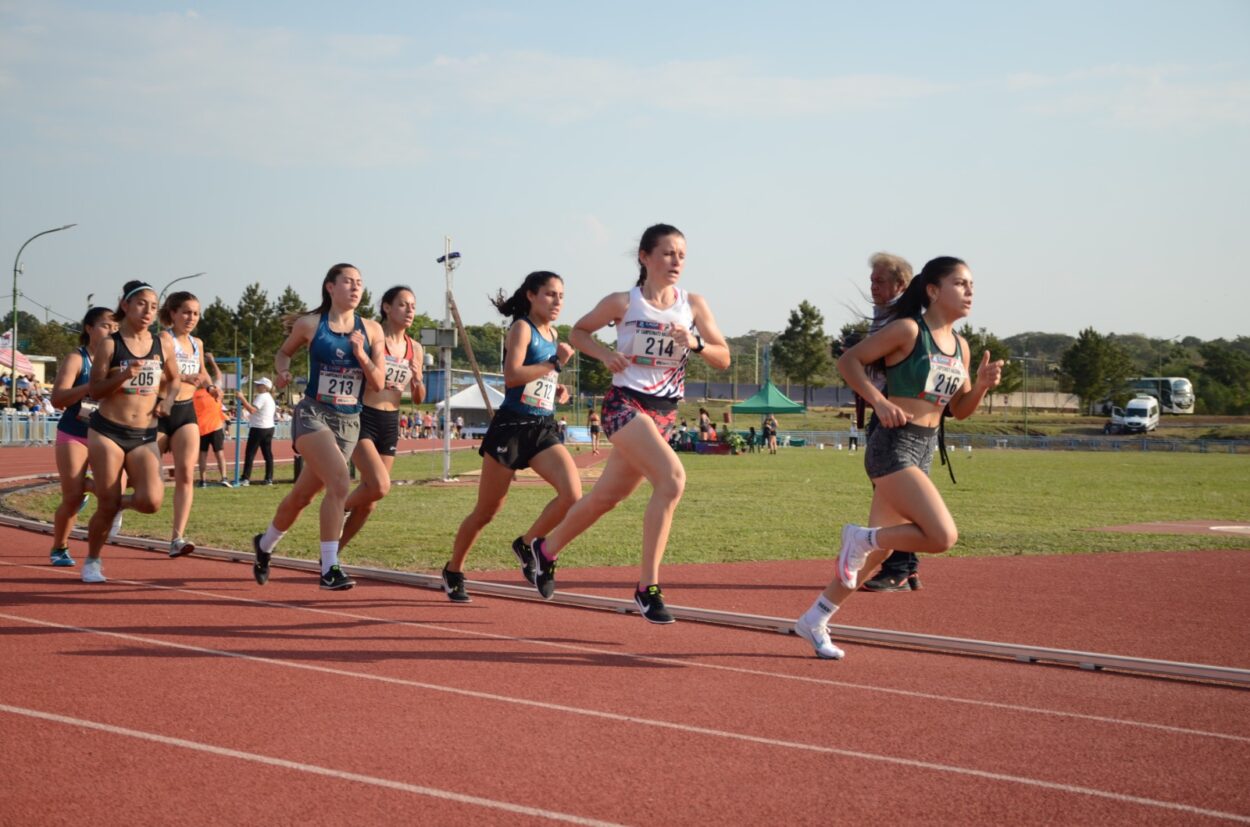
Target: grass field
{"x":761,"y":507}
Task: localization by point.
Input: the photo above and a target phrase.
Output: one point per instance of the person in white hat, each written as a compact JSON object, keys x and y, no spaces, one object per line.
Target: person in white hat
{"x":260,"y":413}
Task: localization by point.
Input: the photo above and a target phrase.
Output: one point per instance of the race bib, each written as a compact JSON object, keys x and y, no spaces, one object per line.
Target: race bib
{"x":340,"y":386}
{"x":398,"y":373}
{"x":188,"y":365}
{"x":541,"y":392}
{"x":146,"y":381}
{"x":946,"y":377}
{"x":654,"y":346}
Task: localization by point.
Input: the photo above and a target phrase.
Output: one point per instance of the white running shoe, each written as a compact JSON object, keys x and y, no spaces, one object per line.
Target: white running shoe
{"x":115,"y":528}
{"x":91,"y":572}
{"x":853,"y":554}
{"x":180,"y":546}
{"x":817,"y":635}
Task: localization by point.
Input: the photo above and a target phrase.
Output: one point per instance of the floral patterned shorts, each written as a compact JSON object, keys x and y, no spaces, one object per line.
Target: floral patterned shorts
{"x":620,"y":407}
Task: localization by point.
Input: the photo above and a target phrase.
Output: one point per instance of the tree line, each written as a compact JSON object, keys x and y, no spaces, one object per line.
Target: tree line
{"x":1092,"y":365}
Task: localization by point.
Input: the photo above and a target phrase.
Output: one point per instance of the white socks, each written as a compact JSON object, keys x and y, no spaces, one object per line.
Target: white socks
{"x":329,"y":555}
{"x":820,"y":612}
{"x":271,"y":538}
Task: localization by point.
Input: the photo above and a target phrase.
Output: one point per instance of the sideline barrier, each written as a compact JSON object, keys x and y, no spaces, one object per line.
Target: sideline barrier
{"x":25,"y":428}
{"x":1089,"y":661}
{"x":1043,"y":443}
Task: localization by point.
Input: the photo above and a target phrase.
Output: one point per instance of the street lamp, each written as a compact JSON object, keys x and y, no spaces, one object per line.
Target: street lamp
{"x":161,"y":298}
{"x":13,"y":348}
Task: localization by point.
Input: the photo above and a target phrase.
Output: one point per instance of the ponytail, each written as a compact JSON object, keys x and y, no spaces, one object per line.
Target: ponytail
{"x":518,"y":304}
{"x":915,"y":299}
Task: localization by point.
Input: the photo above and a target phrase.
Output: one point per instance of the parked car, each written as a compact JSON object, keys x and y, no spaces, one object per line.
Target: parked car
{"x":1139,"y":416}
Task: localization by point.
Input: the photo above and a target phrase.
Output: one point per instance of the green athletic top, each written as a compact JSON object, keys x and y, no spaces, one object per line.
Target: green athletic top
{"x":927,"y":373}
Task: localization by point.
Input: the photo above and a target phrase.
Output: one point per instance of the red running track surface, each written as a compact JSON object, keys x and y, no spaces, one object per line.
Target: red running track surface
{"x":182,"y":693}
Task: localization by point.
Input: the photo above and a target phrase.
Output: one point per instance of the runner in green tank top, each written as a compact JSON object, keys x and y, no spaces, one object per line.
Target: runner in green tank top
{"x":927,"y":372}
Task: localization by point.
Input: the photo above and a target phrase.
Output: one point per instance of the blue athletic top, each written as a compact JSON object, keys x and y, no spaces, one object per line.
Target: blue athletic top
{"x":335,"y":377}
{"x":70,"y":423}
{"x":536,"y":398}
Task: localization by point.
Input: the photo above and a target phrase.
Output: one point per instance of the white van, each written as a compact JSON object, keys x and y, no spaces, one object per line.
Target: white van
{"x":1139,"y":416}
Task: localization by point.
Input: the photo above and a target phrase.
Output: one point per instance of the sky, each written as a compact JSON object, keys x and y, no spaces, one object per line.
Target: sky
{"x":1089,"y":160}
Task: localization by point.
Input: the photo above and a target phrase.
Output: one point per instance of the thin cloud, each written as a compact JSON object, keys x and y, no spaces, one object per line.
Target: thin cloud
{"x":1146,"y":97}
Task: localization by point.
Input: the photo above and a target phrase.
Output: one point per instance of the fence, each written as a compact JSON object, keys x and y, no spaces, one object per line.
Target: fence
{"x":962,"y":442}
{"x":26,"y":428}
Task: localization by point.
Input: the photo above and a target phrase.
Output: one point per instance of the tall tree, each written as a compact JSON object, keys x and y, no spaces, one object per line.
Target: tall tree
{"x":981,"y":340}
{"x":367,"y":309}
{"x":1095,"y":368}
{"x":802,"y":349}
{"x":216,"y":328}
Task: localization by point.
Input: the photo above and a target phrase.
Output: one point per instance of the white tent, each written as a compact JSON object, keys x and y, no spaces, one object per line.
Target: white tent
{"x":470,"y":399}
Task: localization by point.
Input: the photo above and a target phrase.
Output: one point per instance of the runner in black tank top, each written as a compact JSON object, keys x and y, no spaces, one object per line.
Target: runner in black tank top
{"x":135,"y":378}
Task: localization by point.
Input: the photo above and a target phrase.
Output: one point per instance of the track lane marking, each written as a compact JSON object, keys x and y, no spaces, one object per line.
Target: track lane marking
{"x":670,"y":661}
{"x":299,"y":766}
{"x":689,"y":729}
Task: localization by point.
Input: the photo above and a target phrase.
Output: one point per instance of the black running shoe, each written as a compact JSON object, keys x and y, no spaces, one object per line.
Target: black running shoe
{"x":524,"y":556}
{"x":453,"y":584}
{"x":884,"y":582}
{"x":651,"y":605}
{"x":913,"y":582}
{"x":334,"y":580}
{"x":260,"y":569}
{"x":544,"y":570}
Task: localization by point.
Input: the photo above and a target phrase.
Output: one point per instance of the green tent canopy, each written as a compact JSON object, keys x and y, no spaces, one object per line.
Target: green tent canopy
{"x":768,"y":400}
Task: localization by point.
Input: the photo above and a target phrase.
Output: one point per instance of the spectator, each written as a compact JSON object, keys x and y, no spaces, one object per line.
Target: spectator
{"x":212,"y":422}
{"x":261,"y":411}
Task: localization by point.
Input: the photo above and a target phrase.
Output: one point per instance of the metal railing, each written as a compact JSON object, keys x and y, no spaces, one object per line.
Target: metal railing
{"x":34,"y":428}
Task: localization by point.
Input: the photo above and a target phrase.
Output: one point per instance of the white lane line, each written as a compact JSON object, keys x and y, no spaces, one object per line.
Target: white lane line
{"x":313,"y":769}
{"x":677,"y":661}
{"x":689,"y":729}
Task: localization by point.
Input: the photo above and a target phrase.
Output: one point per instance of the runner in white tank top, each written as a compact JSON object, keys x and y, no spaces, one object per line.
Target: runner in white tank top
{"x":659,"y":325}
{"x":657,"y":363}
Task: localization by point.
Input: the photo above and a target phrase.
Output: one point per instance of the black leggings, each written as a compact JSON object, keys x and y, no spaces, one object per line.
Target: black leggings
{"x":261,"y":438}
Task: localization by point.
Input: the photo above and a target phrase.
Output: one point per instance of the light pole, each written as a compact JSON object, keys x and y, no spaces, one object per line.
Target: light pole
{"x":165,"y":289}
{"x":13,"y":345}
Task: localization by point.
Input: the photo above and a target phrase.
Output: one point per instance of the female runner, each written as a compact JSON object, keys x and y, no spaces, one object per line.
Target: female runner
{"x":658,"y":326}
{"x":374,"y":456}
{"x":69,"y":393}
{"x":926,"y":371}
{"x":523,"y":433}
{"x":128,"y":371}
{"x":345,"y":356}
{"x":179,"y":433}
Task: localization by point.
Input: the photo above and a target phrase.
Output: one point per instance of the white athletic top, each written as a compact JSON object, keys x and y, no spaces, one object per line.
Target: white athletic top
{"x":265,"y":407}
{"x":657,"y":363}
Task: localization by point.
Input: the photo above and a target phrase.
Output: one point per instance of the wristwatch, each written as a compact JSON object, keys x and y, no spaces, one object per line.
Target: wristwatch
{"x":700,"y":347}
{"x":555,"y":363}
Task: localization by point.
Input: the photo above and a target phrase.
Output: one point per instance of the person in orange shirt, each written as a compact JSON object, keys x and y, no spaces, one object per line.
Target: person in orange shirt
{"x":212,"y":422}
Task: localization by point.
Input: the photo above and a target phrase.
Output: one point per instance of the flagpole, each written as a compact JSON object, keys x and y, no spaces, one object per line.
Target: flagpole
{"x":13,"y":344}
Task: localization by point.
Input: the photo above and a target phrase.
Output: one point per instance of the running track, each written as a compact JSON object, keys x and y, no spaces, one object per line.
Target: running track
{"x":182,"y":693}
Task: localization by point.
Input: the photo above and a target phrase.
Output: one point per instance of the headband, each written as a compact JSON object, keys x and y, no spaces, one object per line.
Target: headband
{"x":138,"y":289}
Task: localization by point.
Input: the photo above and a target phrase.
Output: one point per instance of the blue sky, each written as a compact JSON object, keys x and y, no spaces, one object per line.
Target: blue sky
{"x":1089,"y":160}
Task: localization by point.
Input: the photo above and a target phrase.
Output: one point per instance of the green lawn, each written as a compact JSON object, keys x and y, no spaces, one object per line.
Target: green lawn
{"x":761,"y":507}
